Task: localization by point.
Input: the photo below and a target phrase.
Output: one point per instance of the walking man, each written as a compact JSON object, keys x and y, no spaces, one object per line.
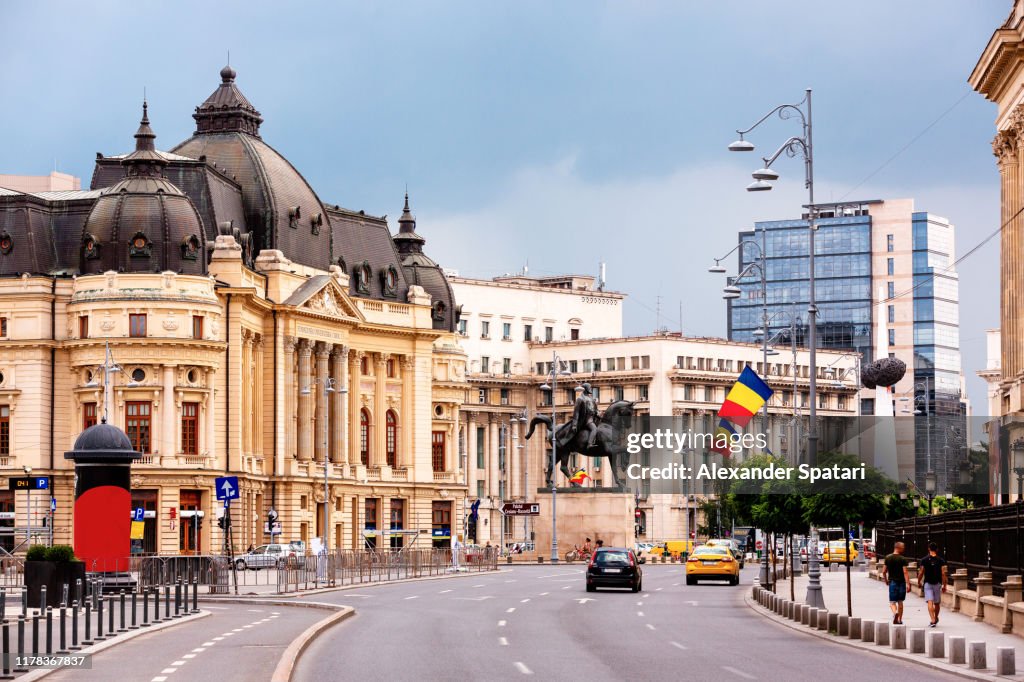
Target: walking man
{"x":934,"y":576}
{"x":896,"y":576}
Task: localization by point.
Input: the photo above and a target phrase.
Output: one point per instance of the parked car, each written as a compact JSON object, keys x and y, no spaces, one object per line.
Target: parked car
{"x":614,"y":567}
{"x":715,"y":562}
{"x":269,"y":556}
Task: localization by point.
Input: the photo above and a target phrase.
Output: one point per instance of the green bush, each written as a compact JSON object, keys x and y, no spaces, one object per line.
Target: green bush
{"x":61,"y":553}
{"x":36,"y":553}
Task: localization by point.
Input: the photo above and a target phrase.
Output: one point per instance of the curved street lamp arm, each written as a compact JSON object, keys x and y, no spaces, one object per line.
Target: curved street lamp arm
{"x":743,"y":242}
{"x":793,"y":146}
{"x":784,"y":111}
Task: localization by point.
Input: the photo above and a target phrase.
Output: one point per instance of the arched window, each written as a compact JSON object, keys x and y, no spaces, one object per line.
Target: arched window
{"x":364,"y":436}
{"x":392,"y":438}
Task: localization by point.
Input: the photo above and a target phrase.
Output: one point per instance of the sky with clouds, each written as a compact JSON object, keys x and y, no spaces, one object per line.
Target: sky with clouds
{"x":560,"y":134}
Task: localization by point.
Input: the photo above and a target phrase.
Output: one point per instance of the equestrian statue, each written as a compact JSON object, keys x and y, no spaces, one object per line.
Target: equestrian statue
{"x":590,"y":434}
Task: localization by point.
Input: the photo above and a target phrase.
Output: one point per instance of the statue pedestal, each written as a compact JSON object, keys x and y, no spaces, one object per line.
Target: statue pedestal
{"x":605,"y":515}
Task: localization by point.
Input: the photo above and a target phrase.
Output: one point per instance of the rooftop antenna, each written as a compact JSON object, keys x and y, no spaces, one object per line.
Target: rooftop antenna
{"x":657,"y":313}
{"x":680,"y":317}
{"x":229,"y":57}
{"x":526,"y":267}
{"x":601,"y":276}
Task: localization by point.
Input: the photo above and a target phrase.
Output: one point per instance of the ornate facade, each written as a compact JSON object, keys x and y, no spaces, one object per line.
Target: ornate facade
{"x":257,"y":332}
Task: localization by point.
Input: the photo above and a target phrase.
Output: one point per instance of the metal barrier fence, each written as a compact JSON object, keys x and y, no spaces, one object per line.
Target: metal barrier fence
{"x":985,"y":539}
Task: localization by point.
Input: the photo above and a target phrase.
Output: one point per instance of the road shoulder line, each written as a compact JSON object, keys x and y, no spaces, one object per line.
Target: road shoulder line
{"x":286,"y":665}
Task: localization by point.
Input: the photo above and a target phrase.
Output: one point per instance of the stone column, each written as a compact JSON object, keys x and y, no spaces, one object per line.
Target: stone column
{"x":323,"y":354}
{"x":355,"y":384}
{"x":256,"y":420}
{"x":378,"y":432}
{"x":288,"y":402}
{"x":1005,"y":148}
{"x":339,"y":372}
{"x":210,"y":446}
{"x":513,"y":461}
{"x":1012,"y":591}
{"x":984,"y":586}
{"x":168,"y":435}
{"x":493,"y":472}
{"x":304,"y":422}
{"x":406,"y":420}
{"x":471,"y":470}
{"x":245,"y":406}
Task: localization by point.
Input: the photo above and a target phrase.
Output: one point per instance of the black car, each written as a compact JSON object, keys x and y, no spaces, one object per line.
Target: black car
{"x":614,"y":567}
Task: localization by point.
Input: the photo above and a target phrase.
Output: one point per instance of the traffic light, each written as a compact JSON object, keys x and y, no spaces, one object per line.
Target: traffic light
{"x":224,"y":522}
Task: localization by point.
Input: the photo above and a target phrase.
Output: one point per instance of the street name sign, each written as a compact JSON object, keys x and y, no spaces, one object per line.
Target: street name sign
{"x":520,"y":509}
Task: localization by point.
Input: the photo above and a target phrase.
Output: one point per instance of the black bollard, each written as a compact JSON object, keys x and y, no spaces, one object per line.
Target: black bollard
{"x":167,"y":602}
{"x":49,"y":630}
{"x":195,"y":595}
{"x":74,"y":626}
{"x":145,"y":607}
{"x":99,"y":622}
{"x":20,"y":667}
{"x":177,"y":599}
{"x":3,"y":603}
{"x":88,"y":624}
{"x":122,"y":628}
{"x":63,"y":630}
{"x":78,"y":590}
{"x":110,"y":615}
{"x":24,"y":600}
{"x":156,"y":604}
{"x":42,"y":598}
{"x":135,"y":604}
{"x":35,"y":634}
{"x":6,"y":651}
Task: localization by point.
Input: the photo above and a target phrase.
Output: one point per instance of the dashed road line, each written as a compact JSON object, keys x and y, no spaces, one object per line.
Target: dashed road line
{"x":640,"y":613}
{"x":639,"y":603}
{"x":160,"y":678}
{"x":189,"y":656}
{"x":523,"y":601}
{"x":202,"y":648}
{"x":167,"y":671}
{"x":646,"y":596}
{"x":255,"y":610}
{"x":650,"y":627}
{"x":679,"y":646}
{"x":740,"y":673}
{"x":521,"y":667}
{"x":544,"y":594}
{"x":510,"y":609}
{"x":502,"y":641}
{"x":658,"y":589}
{"x":501,"y":623}
{"x":443,"y":591}
{"x":675,"y":584}
{"x":415,"y":596}
{"x":567,"y":587}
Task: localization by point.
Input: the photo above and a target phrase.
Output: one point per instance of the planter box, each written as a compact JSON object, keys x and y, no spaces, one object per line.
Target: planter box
{"x":54,"y":576}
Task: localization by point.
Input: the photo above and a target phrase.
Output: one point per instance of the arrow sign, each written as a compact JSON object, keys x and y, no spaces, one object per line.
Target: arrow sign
{"x":227,"y":487}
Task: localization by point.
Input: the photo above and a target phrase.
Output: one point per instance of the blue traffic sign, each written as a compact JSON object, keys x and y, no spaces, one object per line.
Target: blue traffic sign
{"x":53,"y":504}
{"x":41,"y":482}
{"x":227,"y":487}
{"x":140,"y":514}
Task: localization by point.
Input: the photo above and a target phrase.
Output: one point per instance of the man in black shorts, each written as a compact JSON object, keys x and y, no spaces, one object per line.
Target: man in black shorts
{"x":896,"y":576}
{"x":933,"y":577}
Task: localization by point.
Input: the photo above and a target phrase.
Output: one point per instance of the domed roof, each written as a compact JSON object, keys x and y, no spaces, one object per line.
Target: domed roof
{"x":102,"y":443}
{"x":144,"y":222}
{"x":281,"y":209}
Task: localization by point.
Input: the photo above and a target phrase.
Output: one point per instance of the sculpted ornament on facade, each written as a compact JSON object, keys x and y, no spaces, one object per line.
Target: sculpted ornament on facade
{"x":326,"y":301}
{"x":1004,"y":146}
{"x":107,"y":324}
{"x":137,"y":481}
{"x":171,"y":323}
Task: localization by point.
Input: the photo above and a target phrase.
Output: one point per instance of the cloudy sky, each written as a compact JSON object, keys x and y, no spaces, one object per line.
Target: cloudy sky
{"x":560,"y":134}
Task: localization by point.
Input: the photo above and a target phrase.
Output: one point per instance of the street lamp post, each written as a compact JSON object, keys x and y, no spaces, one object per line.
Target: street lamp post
{"x":929,"y":488}
{"x":553,"y":388}
{"x":798,"y":145}
{"x":1018,"y":466}
{"x":328,"y":389}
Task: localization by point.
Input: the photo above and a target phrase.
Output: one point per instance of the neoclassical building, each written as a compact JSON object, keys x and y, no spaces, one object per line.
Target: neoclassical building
{"x":208,"y":302}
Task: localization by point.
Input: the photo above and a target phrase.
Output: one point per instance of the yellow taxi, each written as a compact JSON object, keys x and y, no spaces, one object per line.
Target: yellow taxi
{"x":839,"y":552}
{"x":675,"y":548}
{"x":714,"y":562}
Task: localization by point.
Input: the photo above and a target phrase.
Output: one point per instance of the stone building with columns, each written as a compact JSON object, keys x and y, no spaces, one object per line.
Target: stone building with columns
{"x":205,"y":300}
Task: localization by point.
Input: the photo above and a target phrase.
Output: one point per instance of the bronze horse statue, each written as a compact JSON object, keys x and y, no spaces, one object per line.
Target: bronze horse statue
{"x":611,"y":426}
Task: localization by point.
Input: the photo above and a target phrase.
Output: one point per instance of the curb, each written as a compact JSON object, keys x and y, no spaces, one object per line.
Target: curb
{"x":885,"y":652}
{"x":39,"y":674}
{"x":286,"y":666}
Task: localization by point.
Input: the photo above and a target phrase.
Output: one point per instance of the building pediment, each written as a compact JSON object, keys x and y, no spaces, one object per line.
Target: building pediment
{"x":322,"y":295}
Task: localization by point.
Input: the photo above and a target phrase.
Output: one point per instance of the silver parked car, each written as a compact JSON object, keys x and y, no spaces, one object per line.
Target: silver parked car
{"x":268,"y":556}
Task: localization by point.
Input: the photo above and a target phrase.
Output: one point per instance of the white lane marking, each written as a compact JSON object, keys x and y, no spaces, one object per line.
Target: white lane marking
{"x":646,"y":596}
{"x":413,"y":597}
{"x":178,"y":663}
{"x":502,"y":641}
{"x":444,"y":591}
{"x":675,"y":584}
{"x":365,"y":596}
{"x":521,"y":667}
{"x":567,"y":587}
{"x":658,"y":589}
{"x":742,"y":674}
{"x":640,"y":613}
{"x":247,"y":626}
{"x":161,"y":678}
{"x":229,"y":634}
{"x":189,"y":656}
{"x":474,"y":598}
{"x":523,"y":601}
{"x":217,"y":639}
{"x":278,"y":613}
{"x":477,"y":585}
{"x":650,"y":627}
{"x":166,"y":671}
{"x":509,"y":581}
{"x":678,"y":645}
{"x":584,"y":600}
{"x":692,"y":603}
{"x":217,"y":608}
{"x":510,"y":609}
{"x":255,"y":610}
{"x":544,"y":594}
{"x":237,"y":630}
{"x":501,"y":623}
{"x":202,"y":648}
{"x":639,"y":603}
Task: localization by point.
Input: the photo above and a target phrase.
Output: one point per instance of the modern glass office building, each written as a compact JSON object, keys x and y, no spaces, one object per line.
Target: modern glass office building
{"x":876,"y":263}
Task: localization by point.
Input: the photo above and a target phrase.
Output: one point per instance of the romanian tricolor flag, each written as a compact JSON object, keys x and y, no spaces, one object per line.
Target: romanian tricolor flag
{"x":723,"y":437}
{"x":579,"y":477}
{"x":747,"y":396}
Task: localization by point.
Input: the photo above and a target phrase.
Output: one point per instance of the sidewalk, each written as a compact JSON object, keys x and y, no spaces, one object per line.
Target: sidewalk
{"x":871,"y":602}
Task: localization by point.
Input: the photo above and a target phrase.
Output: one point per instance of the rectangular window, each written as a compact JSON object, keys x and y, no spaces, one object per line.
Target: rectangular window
{"x":892,"y":314}
{"x":462,"y":327}
{"x":549,"y":334}
{"x":687,"y":391}
{"x":528,"y":332}
{"x":437,"y":450}
{"x":190,"y":428}
{"x":573,"y":366}
{"x":5,"y":430}
{"x":506,"y":331}
{"x":540,"y":368}
{"x":390,"y":365}
{"x":889,"y":243}
{"x":370,"y":513}
{"x":597,"y":364}
{"x":596,"y":390}
{"x":137,"y":325}
{"x":485,"y":363}
{"x":197,"y":327}
{"x":634,"y":362}
{"x":480,"y":492}
{"x":88,"y":415}
{"x":892,"y":337}
{"x":481,"y":437}
{"x":482,"y":395}
{"x":83,"y":326}
{"x":588,"y":366}
{"x":890,"y":266}
{"x":618,"y":392}
{"x":891,"y":289}
{"x":506,"y":365}
{"x":574,"y":334}
{"x":505,"y":397}
{"x":645,"y":362}
{"x":644,"y":392}
{"x":137,"y":424}
{"x":3,"y":326}
{"x":485,"y":329}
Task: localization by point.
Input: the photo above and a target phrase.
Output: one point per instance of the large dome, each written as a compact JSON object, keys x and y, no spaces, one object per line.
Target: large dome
{"x":281,"y":209}
{"x":144,"y":222}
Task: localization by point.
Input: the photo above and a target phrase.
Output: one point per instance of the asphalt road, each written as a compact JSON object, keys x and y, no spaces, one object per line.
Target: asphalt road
{"x":237,"y":642}
{"x":539,"y":620}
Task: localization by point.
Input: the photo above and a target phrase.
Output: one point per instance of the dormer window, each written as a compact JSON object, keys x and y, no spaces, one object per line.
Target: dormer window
{"x":140,"y":246}
{"x":439,"y":310}
{"x":316,"y":222}
{"x":389,"y":280}
{"x":6,"y":243}
{"x":342,"y":264}
{"x":294,"y":216}
{"x":363,"y":278}
{"x":190,"y":248}
{"x":90,"y":248}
